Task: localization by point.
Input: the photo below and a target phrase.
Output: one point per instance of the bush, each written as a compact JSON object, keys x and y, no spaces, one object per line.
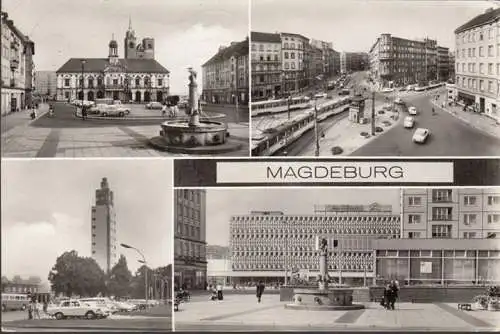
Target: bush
{"x":336,"y":150}
{"x":493,"y":291}
{"x":481,"y":300}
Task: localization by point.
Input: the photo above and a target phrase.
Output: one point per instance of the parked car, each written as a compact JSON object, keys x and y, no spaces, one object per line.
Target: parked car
{"x":387,"y":90}
{"x":97,"y":109}
{"x":320,"y":95}
{"x":123,"y":306}
{"x":409,"y":122}
{"x":105,"y":304}
{"x":154,"y":105}
{"x":420,"y":136}
{"x":115,"y":110}
{"x":75,"y":309}
{"x":413,"y":111}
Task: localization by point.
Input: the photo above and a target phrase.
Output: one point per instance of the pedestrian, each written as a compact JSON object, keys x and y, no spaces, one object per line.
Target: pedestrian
{"x":260,"y":291}
{"x":30,"y":310}
{"x":394,"y":293}
{"x":220,"y":295}
{"x":36,"y":310}
{"x":387,"y":297}
{"x":164,"y":110}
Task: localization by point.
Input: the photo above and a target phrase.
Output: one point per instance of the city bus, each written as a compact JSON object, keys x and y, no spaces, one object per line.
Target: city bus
{"x":14,"y":301}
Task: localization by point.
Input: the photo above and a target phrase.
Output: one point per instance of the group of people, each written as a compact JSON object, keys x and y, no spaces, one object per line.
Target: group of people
{"x":391,"y":293}
{"x":172,"y":110}
{"x":34,"y":309}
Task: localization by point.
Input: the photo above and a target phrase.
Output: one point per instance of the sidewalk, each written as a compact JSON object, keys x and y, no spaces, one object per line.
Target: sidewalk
{"x":347,"y":134}
{"x":244,"y":311}
{"x":113,"y":141}
{"x":476,"y":120}
{"x":20,"y":118}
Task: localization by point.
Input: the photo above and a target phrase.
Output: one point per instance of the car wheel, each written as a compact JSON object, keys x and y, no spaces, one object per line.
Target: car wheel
{"x":90,"y":315}
{"x":59,"y":316}
{"x":121,"y":114}
{"x":105,"y":114}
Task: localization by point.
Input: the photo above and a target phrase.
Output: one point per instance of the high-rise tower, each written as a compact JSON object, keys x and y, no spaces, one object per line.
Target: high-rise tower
{"x":130,"y":42}
{"x":103,"y":228}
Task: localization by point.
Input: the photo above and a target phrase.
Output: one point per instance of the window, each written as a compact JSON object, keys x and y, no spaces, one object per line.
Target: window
{"x":414,"y":201}
{"x":66,"y":82}
{"x":492,"y":200}
{"x":441,"y":231}
{"x":115,"y":82}
{"x":292,"y":55}
{"x":490,"y":50}
{"x":441,"y":213}
{"x":470,"y":200}
{"x":441,"y":195}
{"x":470,"y":218}
{"x":160,"y":82}
{"x":490,"y":86}
{"x":414,"y":235}
{"x":481,"y":36}
{"x":493,"y":218}
{"x":414,"y":219}
{"x":481,"y":84}
{"x":481,"y":53}
{"x":286,"y":55}
{"x":481,"y":68}
{"x":469,"y":235}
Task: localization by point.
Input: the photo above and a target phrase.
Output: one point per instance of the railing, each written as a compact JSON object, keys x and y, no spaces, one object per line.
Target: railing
{"x":112,"y":86}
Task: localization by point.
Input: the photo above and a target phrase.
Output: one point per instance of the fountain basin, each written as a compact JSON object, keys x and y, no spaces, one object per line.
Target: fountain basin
{"x":207,"y":137}
{"x":323,"y":299}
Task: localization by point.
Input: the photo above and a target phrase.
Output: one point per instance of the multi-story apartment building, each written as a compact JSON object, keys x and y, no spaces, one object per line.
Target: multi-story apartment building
{"x":443,"y":64}
{"x":353,"y":61}
{"x":316,"y":63}
{"x":450,"y":213}
{"x":270,"y":245}
{"x":225,"y":75}
{"x":135,"y":79}
{"x":266,"y":65}
{"x":46,"y":83}
{"x":398,"y":61}
{"x":17,"y":67}
{"x":190,"y":239}
{"x":292,"y":48}
{"x":451,"y":67}
{"x":103,"y":229}
{"x":477,"y":63}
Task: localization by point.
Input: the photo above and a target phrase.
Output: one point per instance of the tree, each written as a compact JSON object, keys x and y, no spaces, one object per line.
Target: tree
{"x":17,"y":279}
{"x":5,"y":280}
{"x":75,"y":275}
{"x":120,"y":278}
{"x":139,"y":282}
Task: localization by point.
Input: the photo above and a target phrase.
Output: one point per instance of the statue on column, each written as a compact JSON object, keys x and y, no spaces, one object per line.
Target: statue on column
{"x":194,"y":119}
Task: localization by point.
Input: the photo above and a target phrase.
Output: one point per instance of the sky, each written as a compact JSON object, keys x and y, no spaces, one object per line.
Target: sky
{"x":187,"y":33}
{"x":46,"y":210}
{"x":354,"y":25}
{"x":224,"y":203}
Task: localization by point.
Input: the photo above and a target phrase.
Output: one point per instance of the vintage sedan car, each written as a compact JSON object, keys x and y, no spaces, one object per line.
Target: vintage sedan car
{"x":154,"y":105}
{"x":409,"y":122}
{"x":115,"y":110}
{"x":412,"y":111}
{"x":75,"y":309}
{"x":420,"y":136}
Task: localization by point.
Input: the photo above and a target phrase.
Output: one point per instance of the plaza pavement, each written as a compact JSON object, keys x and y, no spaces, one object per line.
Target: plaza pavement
{"x":23,"y":141}
{"x":239,"y":312}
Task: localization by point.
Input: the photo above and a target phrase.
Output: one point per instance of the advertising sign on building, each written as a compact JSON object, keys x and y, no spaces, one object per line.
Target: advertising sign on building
{"x":426,"y":267}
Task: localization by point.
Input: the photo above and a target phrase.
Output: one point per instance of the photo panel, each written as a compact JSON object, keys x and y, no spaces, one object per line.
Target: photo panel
{"x":336,"y":258}
{"x":375,"y":78}
{"x":131,"y":78}
{"x":87,"y":245}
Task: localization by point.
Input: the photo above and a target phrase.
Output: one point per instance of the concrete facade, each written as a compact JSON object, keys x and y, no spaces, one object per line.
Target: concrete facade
{"x":17,"y":67}
{"x":46,"y":83}
{"x":477,"y":63}
{"x":103,"y":228}
{"x":190,"y":239}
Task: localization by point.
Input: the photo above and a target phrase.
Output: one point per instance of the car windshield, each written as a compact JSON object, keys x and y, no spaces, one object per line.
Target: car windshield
{"x":420,"y":132}
{"x":409,"y":119}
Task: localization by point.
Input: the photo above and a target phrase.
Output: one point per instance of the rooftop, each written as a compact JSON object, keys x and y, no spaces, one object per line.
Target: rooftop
{"x":265,"y":37}
{"x":491,"y":15}
{"x":99,"y":64}
{"x":225,"y":53}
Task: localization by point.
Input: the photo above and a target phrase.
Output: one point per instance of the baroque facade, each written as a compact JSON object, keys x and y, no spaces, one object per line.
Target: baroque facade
{"x":190,"y":239}
{"x":138,"y":77}
{"x":226,"y":74}
{"x":477,"y":63}
{"x":271,"y":244}
{"x":17,"y":67}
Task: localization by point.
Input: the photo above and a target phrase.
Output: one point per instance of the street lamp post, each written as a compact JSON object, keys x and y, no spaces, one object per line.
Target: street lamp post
{"x":145,"y":265}
{"x":373,"y":113}
{"x":316,"y":128}
{"x":83,"y":69}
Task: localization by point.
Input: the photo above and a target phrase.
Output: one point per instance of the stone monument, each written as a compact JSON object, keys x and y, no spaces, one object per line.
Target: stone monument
{"x":323,"y":298}
{"x":193,"y":135}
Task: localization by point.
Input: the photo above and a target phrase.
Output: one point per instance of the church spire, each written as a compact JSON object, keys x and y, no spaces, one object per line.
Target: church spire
{"x":129,"y":22}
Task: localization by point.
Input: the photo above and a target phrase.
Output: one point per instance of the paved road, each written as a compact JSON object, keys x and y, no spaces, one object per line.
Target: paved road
{"x":230,"y":111}
{"x":14,"y":315}
{"x":449,"y":136}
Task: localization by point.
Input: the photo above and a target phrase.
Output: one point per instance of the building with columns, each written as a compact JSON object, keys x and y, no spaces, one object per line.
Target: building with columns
{"x":17,"y":67}
{"x":268,"y":245}
{"x":138,"y":77}
{"x":477,"y":63}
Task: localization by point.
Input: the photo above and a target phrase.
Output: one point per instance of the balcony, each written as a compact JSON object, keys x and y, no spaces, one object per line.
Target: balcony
{"x":115,"y":87}
{"x":14,"y":64}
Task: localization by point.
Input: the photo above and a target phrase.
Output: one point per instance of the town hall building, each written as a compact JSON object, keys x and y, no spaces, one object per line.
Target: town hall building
{"x":137,"y":77}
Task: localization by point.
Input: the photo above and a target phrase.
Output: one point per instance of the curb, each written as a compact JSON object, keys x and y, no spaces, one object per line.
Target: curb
{"x":454,"y":114}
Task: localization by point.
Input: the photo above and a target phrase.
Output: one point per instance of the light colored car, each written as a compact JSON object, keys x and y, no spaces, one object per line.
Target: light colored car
{"x":320,"y":95}
{"x":87,"y":103}
{"x":75,"y":309}
{"x":421,"y":135}
{"x":387,"y":90}
{"x":103,"y":304}
{"x":412,"y":111}
{"x":125,"y":306}
{"x":398,"y":101}
{"x":115,"y":110}
{"x":409,"y":122}
{"x":154,"y":105}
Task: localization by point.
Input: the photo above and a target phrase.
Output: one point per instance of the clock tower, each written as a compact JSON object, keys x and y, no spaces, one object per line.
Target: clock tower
{"x":130,"y":42}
